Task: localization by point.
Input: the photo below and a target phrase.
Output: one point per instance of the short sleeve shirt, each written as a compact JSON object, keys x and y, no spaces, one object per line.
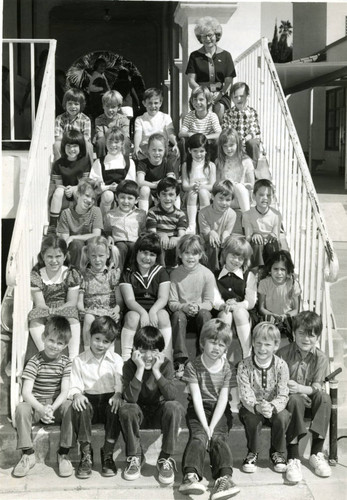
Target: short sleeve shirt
{"x":222,"y":62}
{"x":70,"y":172}
{"x":277,"y":297}
{"x":145,"y":287}
{"x":313,"y":368}
{"x":70,"y":222}
{"x":154,"y":173}
{"x":164,"y":222}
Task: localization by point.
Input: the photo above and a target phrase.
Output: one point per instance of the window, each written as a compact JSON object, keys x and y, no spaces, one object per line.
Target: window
{"x":335,"y":113}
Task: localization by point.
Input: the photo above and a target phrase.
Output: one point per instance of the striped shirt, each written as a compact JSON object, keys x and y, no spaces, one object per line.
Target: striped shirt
{"x":208,"y":125}
{"x":80,"y":122}
{"x":166,"y":222}
{"x":47,"y":375}
{"x":210,"y":382}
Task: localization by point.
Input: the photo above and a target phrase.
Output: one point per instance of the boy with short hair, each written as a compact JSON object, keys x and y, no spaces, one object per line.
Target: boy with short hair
{"x":262,"y":223}
{"x":126,"y":221}
{"x":155,"y":121}
{"x":46,"y":379}
{"x":111,"y":118}
{"x":167,"y":220}
{"x":244,"y":120}
{"x":262,"y":381}
{"x":209,"y":418}
{"x":216,"y":221}
{"x":74,"y":103}
{"x":308,"y":367}
{"x":96,"y":392}
{"x":149,"y":393}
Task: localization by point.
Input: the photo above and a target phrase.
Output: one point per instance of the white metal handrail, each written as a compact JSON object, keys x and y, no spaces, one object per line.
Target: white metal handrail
{"x":30,"y":219}
{"x":306,"y":234}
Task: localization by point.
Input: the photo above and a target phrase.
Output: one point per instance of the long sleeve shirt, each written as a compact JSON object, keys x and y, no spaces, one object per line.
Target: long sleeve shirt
{"x":213,"y":220}
{"x":196,"y":286}
{"x":256,"y":384}
{"x":245,"y":122}
{"x":149,"y":391}
{"x":80,"y":122}
{"x":96,"y":376}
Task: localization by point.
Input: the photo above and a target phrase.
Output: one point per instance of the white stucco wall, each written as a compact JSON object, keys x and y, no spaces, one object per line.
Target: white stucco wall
{"x":243,"y":28}
{"x":336,"y":21}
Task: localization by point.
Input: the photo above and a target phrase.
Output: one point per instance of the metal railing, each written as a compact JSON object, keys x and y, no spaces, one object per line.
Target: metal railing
{"x":310,"y":246}
{"x":31,"y":215}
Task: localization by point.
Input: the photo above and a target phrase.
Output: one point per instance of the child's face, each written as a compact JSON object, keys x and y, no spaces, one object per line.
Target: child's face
{"x":126,"y":202}
{"x":156,"y":152}
{"x":53,"y":259}
{"x":304,"y":339}
{"x":148,"y":356}
{"x":221,"y":202}
{"x":53,"y":346}
{"x":190,"y":260}
{"x":99,"y":344}
{"x":198,"y":154}
{"x":279,"y":273}
{"x":85,"y":200}
{"x":114,"y":147}
{"x":263,"y":198}
{"x":264,"y":348}
{"x":230,"y":147}
{"x":167,"y":199}
{"x":214,"y":349}
{"x":145,"y":260}
{"x":111,"y":109}
{"x":153,"y":105}
{"x":72,"y":151}
{"x":233,"y":261}
{"x":240,"y":98}
{"x":98,"y":256}
{"x":73,"y":108}
{"x":199,"y":103}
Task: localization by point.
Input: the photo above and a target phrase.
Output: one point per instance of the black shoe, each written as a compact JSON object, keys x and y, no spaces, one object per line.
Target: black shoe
{"x":250,"y":462}
{"x":279,"y":462}
{"x":85,"y":466}
{"x":108,"y":467}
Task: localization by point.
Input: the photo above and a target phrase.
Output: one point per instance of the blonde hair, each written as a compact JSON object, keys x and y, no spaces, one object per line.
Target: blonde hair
{"x":201,"y":90}
{"x":112,"y":97}
{"x":193,"y":243}
{"x":215,"y":329}
{"x":237,"y":245}
{"x":205,"y":24}
{"x":268,"y":331}
{"x":96,"y":241}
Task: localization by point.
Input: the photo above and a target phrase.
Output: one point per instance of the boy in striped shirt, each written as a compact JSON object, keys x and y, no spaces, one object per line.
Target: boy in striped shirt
{"x":209,"y":417}
{"x":46,"y":379}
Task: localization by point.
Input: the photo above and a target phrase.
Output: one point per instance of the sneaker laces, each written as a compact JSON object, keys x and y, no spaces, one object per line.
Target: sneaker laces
{"x":278,"y":457}
{"x":133,"y":462}
{"x":294,"y":464}
{"x":168,"y":463}
{"x":251,"y":457}
{"x":192,"y":477}
{"x":221,"y":483}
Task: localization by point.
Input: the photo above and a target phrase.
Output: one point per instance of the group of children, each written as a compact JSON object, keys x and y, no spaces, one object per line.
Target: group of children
{"x":142,"y":241}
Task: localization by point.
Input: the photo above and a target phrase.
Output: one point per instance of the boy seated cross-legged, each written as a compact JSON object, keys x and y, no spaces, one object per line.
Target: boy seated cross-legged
{"x":45,"y":388}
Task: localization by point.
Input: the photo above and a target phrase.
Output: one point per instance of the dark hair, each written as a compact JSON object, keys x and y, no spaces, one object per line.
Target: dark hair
{"x":192,"y":243}
{"x":263,"y":183}
{"x":128,"y":186}
{"x":309,"y":321}
{"x":50,"y":241}
{"x":106,"y":326}
{"x":198,"y":141}
{"x":97,"y":63}
{"x":215,"y":329}
{"x":237,"y":86}
{"x":226,"y":188}
{"x":58,"y":326}
{"x":75,"y":95}
{"x":152,"y":92}
{"x":280,"y":256}
{"x":149,"y":242}
{"x":168,"y":183}
{"x":149,"y":337}
{"x":73,"y":137}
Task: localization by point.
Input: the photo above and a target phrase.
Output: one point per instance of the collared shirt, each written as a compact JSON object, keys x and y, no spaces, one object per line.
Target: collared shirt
{"x":126,"y":226}
{"x":102,"y":124}
{"x":245,"y":122}
{"x":96,"y":376}
{"x":308,"y":370}
{"x":250,"y":297}
{"x":208,"y":69}
{"x":80,"y":122}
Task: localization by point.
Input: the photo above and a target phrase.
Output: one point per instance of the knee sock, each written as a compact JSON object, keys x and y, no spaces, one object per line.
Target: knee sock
{"x":167,"y":334}
{"x":317,"y":445}
{"x":164,"y":455}
{"x":144,"y":205}
{"x":192,"y":210}
{"x":244,"y":335}
{"x":127,"y":340}
{"x":74,"y":344}
{"x":36,"y":334}
{"x":53,"y":219}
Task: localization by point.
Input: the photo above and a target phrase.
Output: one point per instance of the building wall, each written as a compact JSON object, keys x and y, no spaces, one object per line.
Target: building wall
{"x":304,"y":43}
{"x":336,"y":22}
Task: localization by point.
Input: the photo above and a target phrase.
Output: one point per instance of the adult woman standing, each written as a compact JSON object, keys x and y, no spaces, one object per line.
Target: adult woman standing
{"x":211,"y":66}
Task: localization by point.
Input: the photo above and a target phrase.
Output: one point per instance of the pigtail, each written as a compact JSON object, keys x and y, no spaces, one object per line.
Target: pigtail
{"x":84,"y":258}
{"x":113,"y":260}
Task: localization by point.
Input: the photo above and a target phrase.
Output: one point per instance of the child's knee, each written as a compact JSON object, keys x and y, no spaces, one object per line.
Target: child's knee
{"x":145,"y":192}
{"x":132,"y":319}
{"x":163,"y":319}
{"x":107,"y":197}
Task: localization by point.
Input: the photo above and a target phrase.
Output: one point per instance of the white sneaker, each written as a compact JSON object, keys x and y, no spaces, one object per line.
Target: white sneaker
{"x":320,"y":465}
{"x":26,"y":463}
{"x":293,"y":472}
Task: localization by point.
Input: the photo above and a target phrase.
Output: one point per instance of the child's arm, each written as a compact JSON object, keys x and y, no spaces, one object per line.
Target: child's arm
{"x":130,"y":301}
{"x":207,"y":295}
{"x":211,"y":178}
{"x":280,"y":401}
{"x":96,"y":174}
{"x":79,"y":400}
{"x":250,"y":294}
{"x":249,"y":173}
{"x":141,"y":181}
{"x":132,"y":377}
{"x":160,"y":303}
{"x":215,"y":125}
{"x":164,"y":374}
{"x":38,"y":299}
{"x":137,"y":137}
{"x":71,"y":299}
{"x":199,"y":407}
{"x":80,"y":301}
{"x":219,"y":409}
{"x":246,"y":391}
{"x":58,"y":129}
{"x":28,"y":397}
{"x":261,"y":305}
{"x":86,"y":128}
{"x":173,"y":240}
{"x":229,"y":225}
{"x":64,"y":390}
{"x":185,"y":128}
{"x":186,"y":185}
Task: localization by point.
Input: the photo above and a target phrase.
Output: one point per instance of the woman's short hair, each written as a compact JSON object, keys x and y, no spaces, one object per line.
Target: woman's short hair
{"x":205,"y":24}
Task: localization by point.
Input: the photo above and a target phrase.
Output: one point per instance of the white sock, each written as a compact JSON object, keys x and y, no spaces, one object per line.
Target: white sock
{"x":127,"y":341}
{"x":192,"y":210}
{"x":36,"y":334}
{"x":74,"y":344}
{"x":167,"y":334}
{"x":144,"y":205}
{"x":244,"y":335}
